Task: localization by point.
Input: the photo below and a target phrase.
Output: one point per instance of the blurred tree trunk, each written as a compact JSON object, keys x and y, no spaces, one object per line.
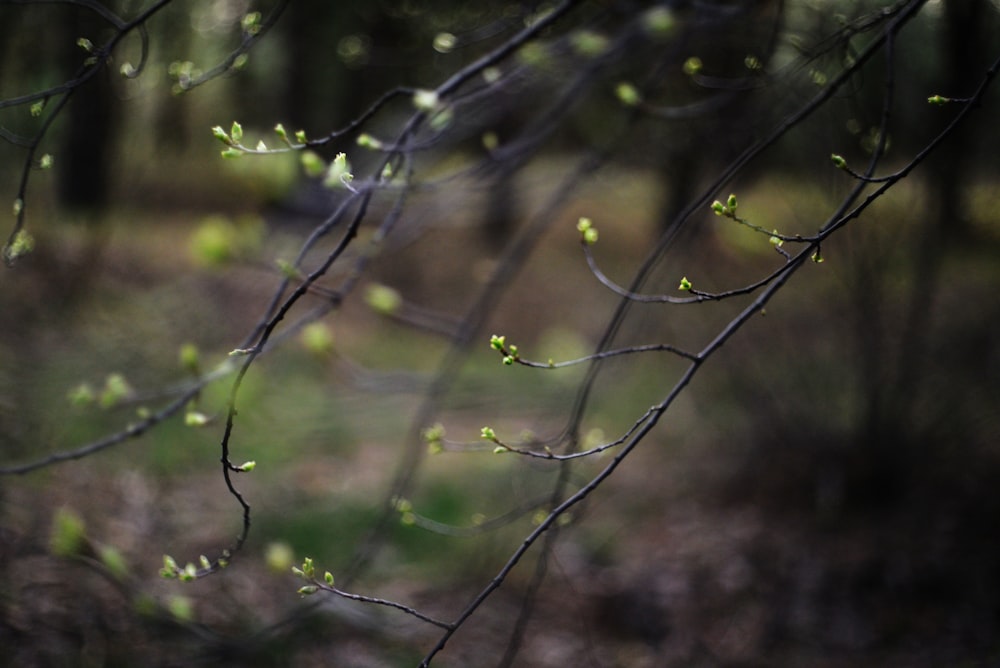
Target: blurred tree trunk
{"x":84,"y":160}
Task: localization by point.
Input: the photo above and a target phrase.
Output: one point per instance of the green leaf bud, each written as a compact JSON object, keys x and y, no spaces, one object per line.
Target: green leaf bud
{"x":317,"y":338}
{"x":426,"y":100}
{"x":23,"y":244}
{"x":205,"y":563}
{"x":278,"y":556}
{"x":193,"y":418}
{"x":247,"y":467}
{"x":113,"y":560}
{"x":328,"y":578}
{"x":731,"y":203}
{"x":300,"y":136}
{"x":685,"y":284}
{"x":590,"y":236}
{"x":659,"y":21}
{"x":231,"y":153}
{"x":719,"y":208}
{"x":499,"y":450}
{"x":628,"y":94}
{"x":45,"y":162}
{"x":308,"y":590}
{"x":383,"y":299}
{"x":508,"y":360}
{"x":838,"y":161}
{"x":497,"y":342}
{"x":37,"y":107}
{"x":313,"y":164}
{"x":775,"y":240}
{"x":261,"y":146}
{"x":444,"y":42}
{"x":490,"y":141}
{"x":181,"y":608}
{"x":169,"y":564}
{"x":85,"y":44}
{"x":68,"y":537}
{"x":588,"y":43}
{"x":221,"y":135}
{"x":18,"y":206}
{"x":307,"y":567}
{"x":692,"y":66}
{"x":116,"y":389}
{"x":365,"y":140}
{"x":251,"y":23}
{"x":938,"y":100}
{"x":236,"y":132}
{"x":338,"y":174}
{"x":189,"y":574}
{"x":188,"y":358}
{"x":82,"y":395}
{"x":488,"y":433}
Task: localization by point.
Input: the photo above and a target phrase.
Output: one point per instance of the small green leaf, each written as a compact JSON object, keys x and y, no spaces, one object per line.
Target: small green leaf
{"x":338,"y":174}
{"x":383,"y":299}
{"x":231,"y":153}
{"x":328,"y":578}
{"x":247,"y":467}
{"x":444,"y":42}
{"x":300,"y":136}
{"x":365,"y":140}
{"x":497,"y":342}
{"x":426,"y":100}
{"x":37,"y":107}
{"x":82,"y":395}
{"x":236,"y":132}
{"x":188,"y":358}
{"x":23,"y":244}
{"x":68,"y":536}
{"x":46,"y":161}
{"x":85,"y":44}
{"x":659,"y":21}
{"x":312,"y":163}
{"x":628,"y":94}
{"x":731,"y":203}
{"x":692,"y":66}
{"x":194,"y":418}
{"x":488,"y":434}
{"x":719,"y":208}
{"x":189,"y":574}
{"x":116,"y":389}
{"x":113,"y":560}
{"x":279,"y":556}
{"x":317,"y":338}
{"x":221,"y":135}
{"x":251,"y":23}
{"x":588,"y":43}
{"x":838,"y":161}
{"x":938,"y":100}
{"x":685,"y":284}
{"x":181,"y":608}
